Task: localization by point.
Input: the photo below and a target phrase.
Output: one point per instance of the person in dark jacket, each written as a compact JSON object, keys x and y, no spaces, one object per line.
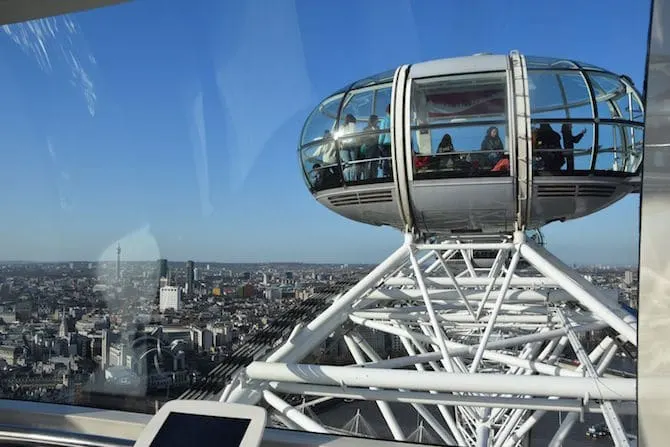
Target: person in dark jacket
{"x":569,"y":141}
{"x":492,"y":140}
{"x":492,"y":143}
{"x":549,"y":141}
{"x":445,"y":144}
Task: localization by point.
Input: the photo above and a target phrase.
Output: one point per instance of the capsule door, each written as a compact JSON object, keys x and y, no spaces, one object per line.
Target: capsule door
{"x":457,"y":153}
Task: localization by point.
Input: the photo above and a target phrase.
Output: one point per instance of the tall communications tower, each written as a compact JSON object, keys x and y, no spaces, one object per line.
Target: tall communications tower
{"x":118,"y":262}
{"x":469,"y":158}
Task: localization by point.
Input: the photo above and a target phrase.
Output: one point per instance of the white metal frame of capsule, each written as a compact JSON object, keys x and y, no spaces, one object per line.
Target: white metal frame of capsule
{"x":486,"y":345}
{"x":486,"y":203}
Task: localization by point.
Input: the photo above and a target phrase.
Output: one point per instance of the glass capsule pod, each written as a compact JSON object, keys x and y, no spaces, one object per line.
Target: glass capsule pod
{"x":479,"y":144}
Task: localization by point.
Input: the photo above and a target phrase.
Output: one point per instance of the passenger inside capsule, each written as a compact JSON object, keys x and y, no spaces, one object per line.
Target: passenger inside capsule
{"x":492,"y":141}
{"x":569,"y":141}
{"x":450,"y":161}
{"x":548,"y":142}
{"x":348,"y":148}
{"x":370,"y":150}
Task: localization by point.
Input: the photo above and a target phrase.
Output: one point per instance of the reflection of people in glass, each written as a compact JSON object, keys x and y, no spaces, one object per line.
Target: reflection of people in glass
{"x":549,"y":141}
{"x":370,"y":149}
{"x":569,"y":141}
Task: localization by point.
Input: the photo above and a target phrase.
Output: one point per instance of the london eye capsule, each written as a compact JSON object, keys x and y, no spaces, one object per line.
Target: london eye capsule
{"x":479,"y":144}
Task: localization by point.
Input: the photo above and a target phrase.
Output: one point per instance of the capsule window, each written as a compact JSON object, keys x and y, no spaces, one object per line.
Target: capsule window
{"x":612,"y":97}
{"x":558,"y":95}
{"x":562,"y":147}
{"x":356,"y":111}
{"x":619,"y":148}
{"x":321,"y":123}
{"x":459,"y":126}
{"x":320,"y":166}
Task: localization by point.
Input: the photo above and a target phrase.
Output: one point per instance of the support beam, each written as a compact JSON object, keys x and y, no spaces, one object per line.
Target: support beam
{"x":552,"y":267}
{"x":513,"y":296}
{"x":577,"y":387}
{"x":439,"y":281}
{"x":292,"y":414}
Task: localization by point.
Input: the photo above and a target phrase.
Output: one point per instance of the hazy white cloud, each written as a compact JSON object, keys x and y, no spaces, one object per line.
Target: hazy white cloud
{"x":57,"y":43}
{"x":63,"y":179}
{"x":52,"y":151}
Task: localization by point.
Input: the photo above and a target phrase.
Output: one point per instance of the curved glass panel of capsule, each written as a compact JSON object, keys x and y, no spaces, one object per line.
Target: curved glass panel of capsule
{"x":584,"y":122}
{"x":346,"y":140}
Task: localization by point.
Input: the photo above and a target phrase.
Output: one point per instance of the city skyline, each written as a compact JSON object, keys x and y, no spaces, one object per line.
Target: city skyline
{"x":178,"y":137}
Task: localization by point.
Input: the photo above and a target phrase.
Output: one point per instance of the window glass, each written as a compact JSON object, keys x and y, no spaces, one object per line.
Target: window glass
{"x":558,"y":95}
{"x":459,"y":99}
{"x":619,"y":148}
{"x":548,"y":62}
{"x":561,"y":146}
{"x":320,"y":165}
{"x":381,"y":78}
{"x":611,"y":96}
{"x":322,"y":120}
{"x":587,"y":66}
{"x":460,"y":151}
{"x":636,"y":147}
{"x":535,"y":62}
{"x":638,"y":112}
{"x":356,"y":111}
{"x":577,"y":95}
{"x":451,"y":118}
{"x":366,"y":157}
{"x":382,"y":101}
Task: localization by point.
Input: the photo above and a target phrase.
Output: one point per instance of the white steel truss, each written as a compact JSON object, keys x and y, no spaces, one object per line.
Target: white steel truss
{"x":484,"y":347}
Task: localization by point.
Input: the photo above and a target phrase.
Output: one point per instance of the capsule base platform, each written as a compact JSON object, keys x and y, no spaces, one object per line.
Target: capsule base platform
{"x":478,"y":350}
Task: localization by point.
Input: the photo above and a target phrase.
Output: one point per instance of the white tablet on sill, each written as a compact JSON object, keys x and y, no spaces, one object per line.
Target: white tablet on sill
{"x":199,"y":423}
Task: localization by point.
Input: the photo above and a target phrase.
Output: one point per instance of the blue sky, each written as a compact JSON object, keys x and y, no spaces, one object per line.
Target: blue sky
{"x":172,"y":126}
